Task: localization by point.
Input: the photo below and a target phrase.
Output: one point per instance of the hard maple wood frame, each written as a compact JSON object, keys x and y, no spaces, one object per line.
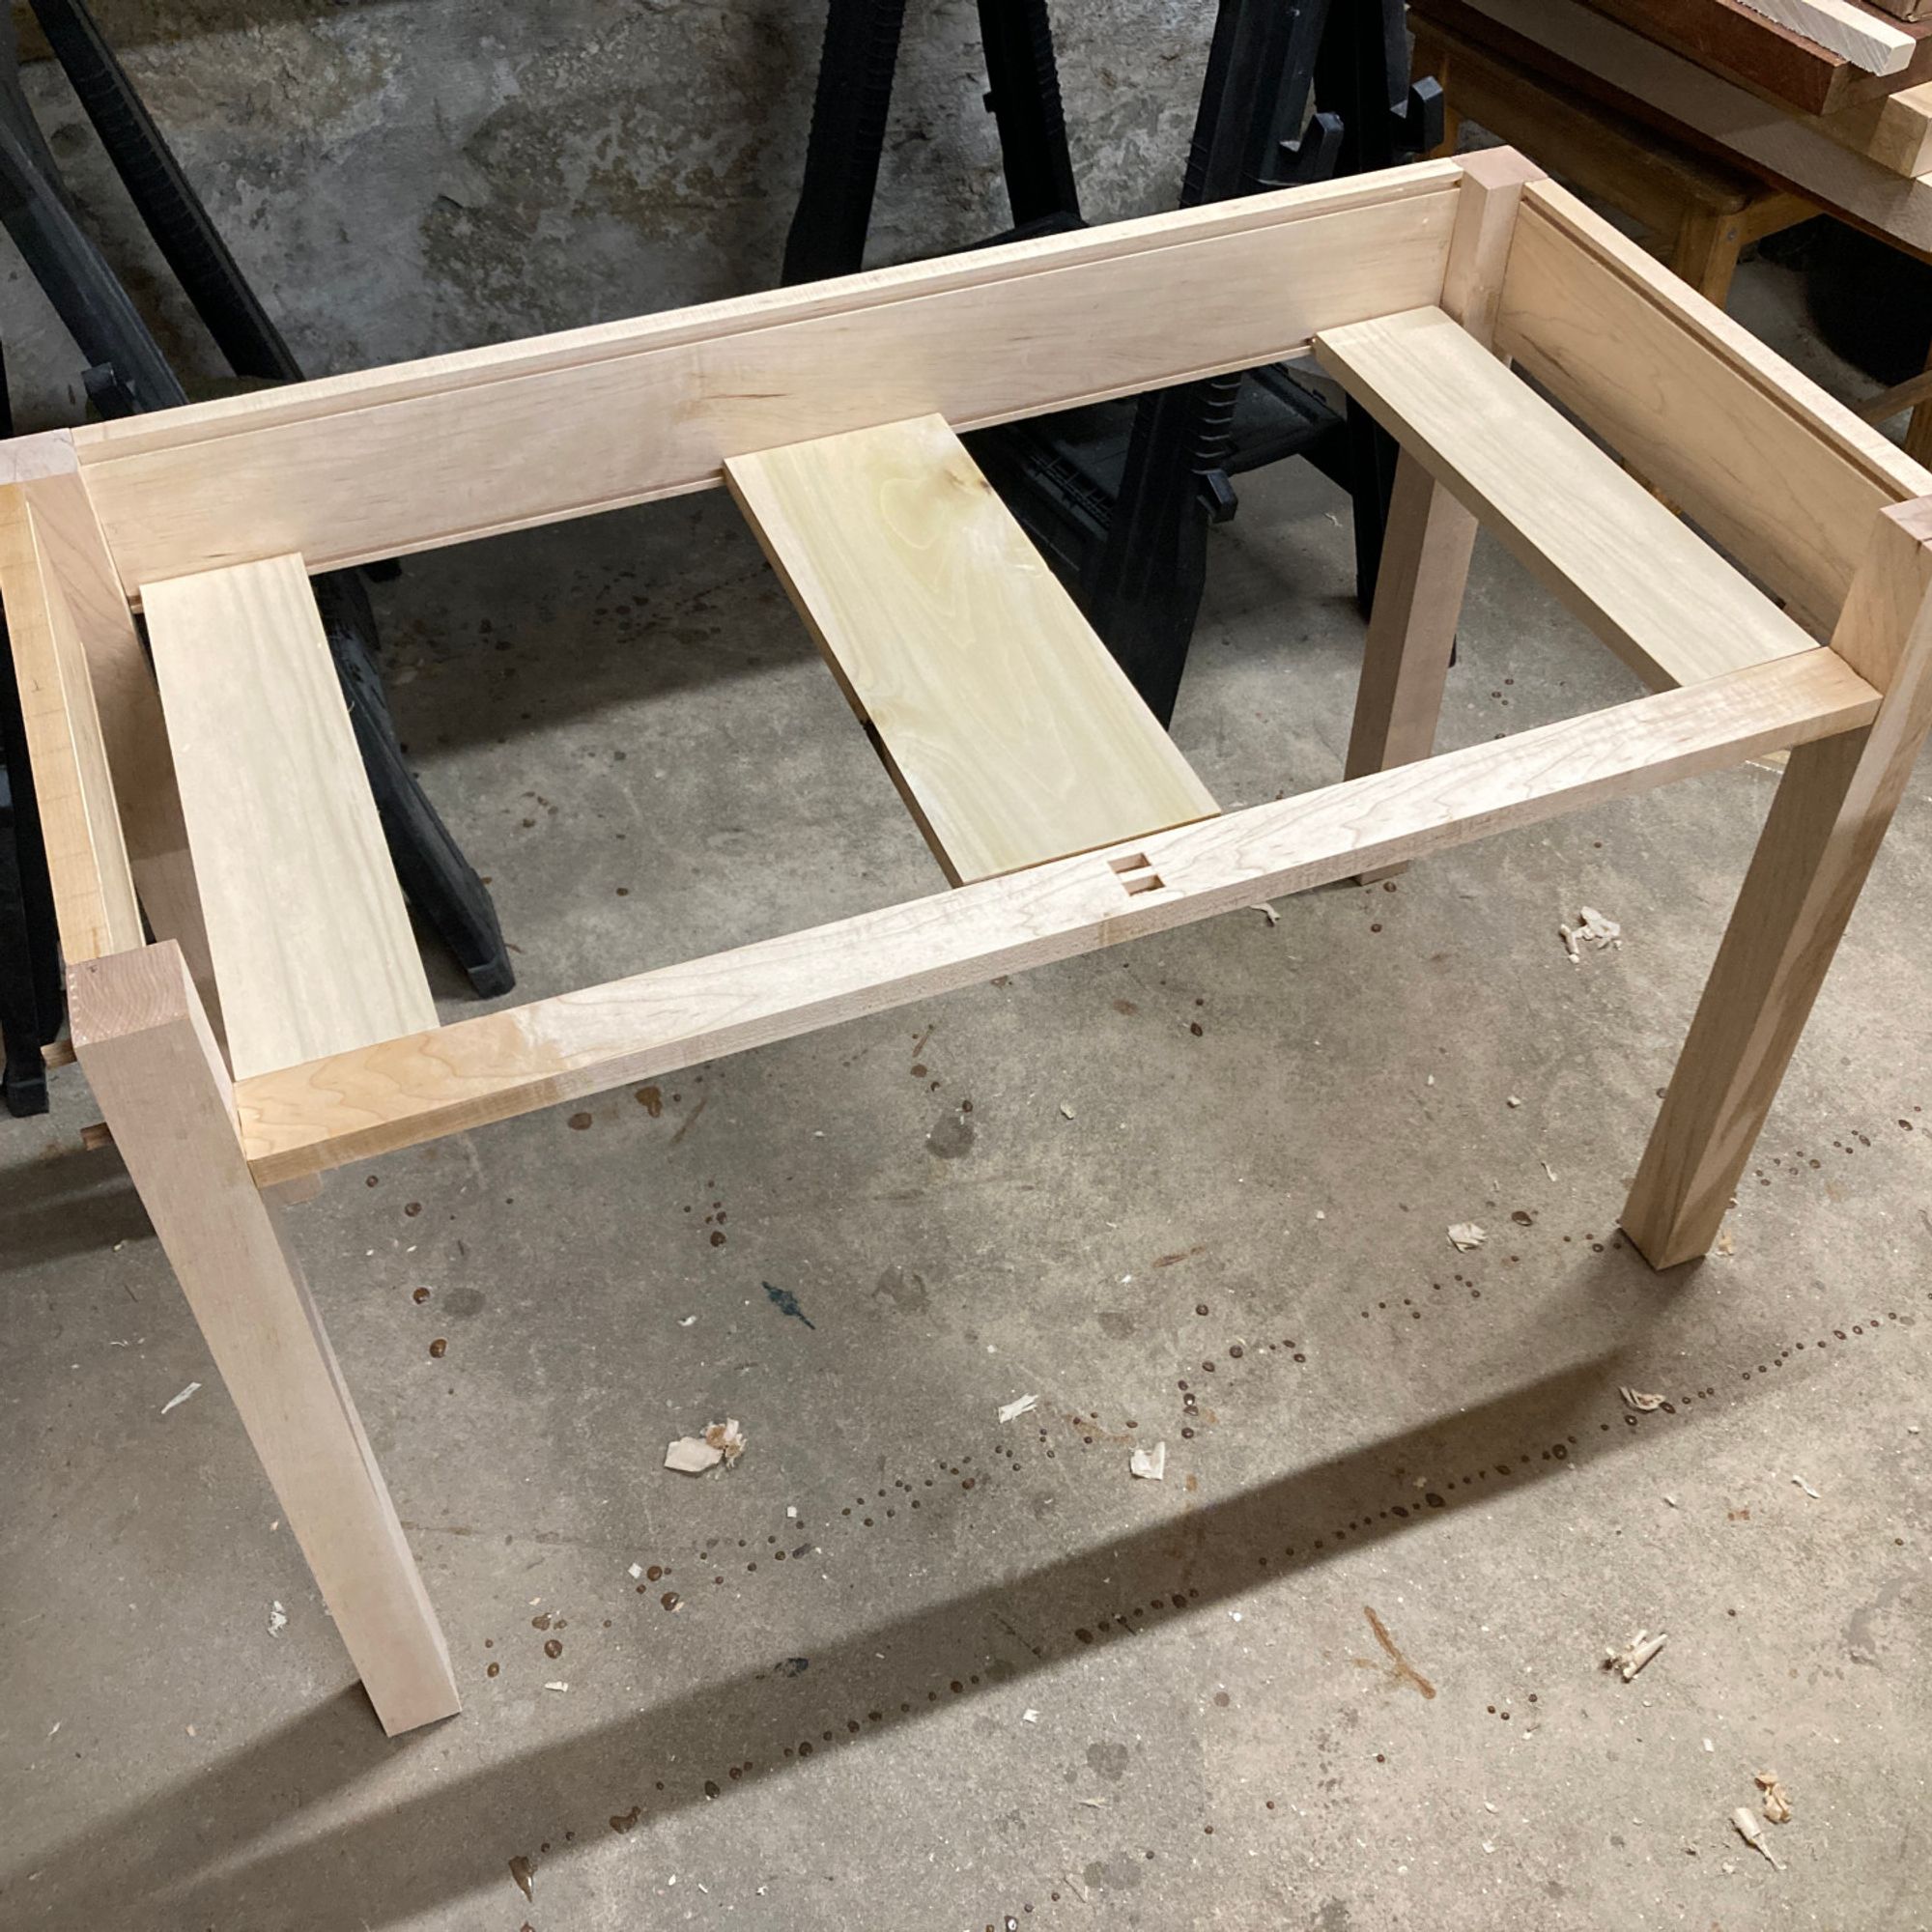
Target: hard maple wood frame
{"x":1419,"y":288}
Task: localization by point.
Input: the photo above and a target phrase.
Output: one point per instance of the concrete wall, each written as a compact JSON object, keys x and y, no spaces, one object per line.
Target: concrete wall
{"x":423,"y":175}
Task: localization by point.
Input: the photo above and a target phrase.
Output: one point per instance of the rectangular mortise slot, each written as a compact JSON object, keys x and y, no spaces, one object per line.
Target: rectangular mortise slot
{"x":1135,"y":873}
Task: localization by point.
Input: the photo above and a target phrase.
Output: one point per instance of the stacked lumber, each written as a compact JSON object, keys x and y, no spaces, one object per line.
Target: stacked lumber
{"x":1732,"y":38}
{"x":1857,"y":33}
{"x":1801,"y":112}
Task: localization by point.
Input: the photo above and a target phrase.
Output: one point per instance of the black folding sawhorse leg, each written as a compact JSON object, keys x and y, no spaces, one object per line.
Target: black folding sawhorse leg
{"x":1120,"y":496}
{"x":33,"y":1002}
{"x":128,"y":373}
{"x":854,"y":95}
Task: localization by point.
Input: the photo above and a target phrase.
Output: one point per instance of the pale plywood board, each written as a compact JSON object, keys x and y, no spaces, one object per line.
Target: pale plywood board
{"x":310,"y":939}
{"x":1653,"y":590}
{"x":496,"y":1065}
{"x":1780,"y":473}
{"x":466,"y":446}
{"x":1012,"y":732}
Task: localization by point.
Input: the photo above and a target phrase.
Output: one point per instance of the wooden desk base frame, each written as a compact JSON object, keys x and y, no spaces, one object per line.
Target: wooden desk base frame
{"x":235,"y":1057}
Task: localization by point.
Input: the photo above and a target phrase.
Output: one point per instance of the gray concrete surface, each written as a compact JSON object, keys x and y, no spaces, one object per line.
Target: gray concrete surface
{"x":401,"y":177}
{"x":1342,"y":1668}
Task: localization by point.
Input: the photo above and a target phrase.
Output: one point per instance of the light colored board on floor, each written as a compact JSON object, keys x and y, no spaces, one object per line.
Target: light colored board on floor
{"x":95,"y":906}
{"x":1823,"y":834}
{"x":1786,"y":478}
{"x":1847,"y":29}
{"x":1010,"y":731}
{"x":364,"y":1103}
{"x":1781,"y":144}
{"x":311,"y":942}
{"x":1653,"y":590}
{"x":469,"y":445}
{"x":154,"y":1066}
{"x":1896,"y":132}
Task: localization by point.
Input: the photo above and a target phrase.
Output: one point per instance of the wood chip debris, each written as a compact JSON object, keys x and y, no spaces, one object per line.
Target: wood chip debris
{"x":1752,"y":1833}
{"x":1777,"y":1800}
{"x":693,"y":1455}
{"x":176,"y":1400}
{"x":556,"y":1684}
{"x":1806,"y":1486}
{"x":1151,"y":1463}
{"x":1727,"y":1242}
{"x":1065,"y":1112}
{"x":1593,"y":929}
{"x":1636,"y":1399}
{"x":1019,"y":1407}
{"x":1635,"y":1655}
{"x":279,"y":1619}
{"x":1268,"y":913}
{"x":1466,"y":1235}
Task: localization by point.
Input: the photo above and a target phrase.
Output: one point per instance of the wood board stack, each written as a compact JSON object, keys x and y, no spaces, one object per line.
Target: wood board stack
{"x":1831,"y":99}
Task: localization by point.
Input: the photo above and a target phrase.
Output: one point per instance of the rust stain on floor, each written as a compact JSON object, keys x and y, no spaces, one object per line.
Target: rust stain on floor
{"x":1403,"y":1670}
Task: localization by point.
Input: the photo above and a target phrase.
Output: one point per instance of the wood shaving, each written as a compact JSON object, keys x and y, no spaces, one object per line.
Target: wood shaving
{"x":1593,"y":929}
{"x":1777,"y":1800}
{"x":1466,"y":1235}
{"x":1019,"y":1407}
{"x":1636,"y":1399}
{"x":1635,"y":1655}
{"x":693,"y":1455}
{"x":1752,"y":1833}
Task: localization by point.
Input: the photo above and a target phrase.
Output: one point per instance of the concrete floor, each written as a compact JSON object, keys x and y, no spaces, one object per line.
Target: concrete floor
{"x":905,"y":1666}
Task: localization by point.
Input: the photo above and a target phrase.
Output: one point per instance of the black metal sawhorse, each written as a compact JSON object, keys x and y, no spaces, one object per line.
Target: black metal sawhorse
{"x":127,"y":373}
{"x":1120,"y":496}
